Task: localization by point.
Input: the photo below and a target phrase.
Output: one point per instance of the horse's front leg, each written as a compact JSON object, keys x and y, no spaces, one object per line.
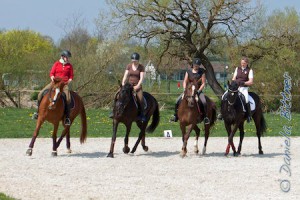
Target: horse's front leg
{"x":228,"y":129}
{"x":54,"y":137}
{"x":230,"y":139}
{"x":242,"y":134}
{"x":197,"y":130}
{"x":35,"y":134}
{"x":126,"y":149}
{"x":113,"y":139}
{"x":65,"y":132}
{"x":185,"y":138}
{"x":142,"y":134}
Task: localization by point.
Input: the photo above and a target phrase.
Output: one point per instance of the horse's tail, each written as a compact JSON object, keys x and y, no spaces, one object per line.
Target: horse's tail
{"x":263,"y":125}
{"x":83,"y":134}
{"x":155,"y":119}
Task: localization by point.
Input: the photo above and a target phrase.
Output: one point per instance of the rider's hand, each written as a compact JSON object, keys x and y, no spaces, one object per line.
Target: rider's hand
{"x":199,"y":92}
{"x":136,"y":87}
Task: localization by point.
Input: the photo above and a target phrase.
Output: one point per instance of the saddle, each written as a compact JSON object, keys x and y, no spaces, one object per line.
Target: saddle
{"x":63,"y":95}
{"x":243,"y":100}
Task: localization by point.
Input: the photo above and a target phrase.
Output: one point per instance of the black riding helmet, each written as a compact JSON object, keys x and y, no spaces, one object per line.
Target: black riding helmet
{"x":66,"y":53}
{"x":135,"y":57}
{"x":197,"y":61}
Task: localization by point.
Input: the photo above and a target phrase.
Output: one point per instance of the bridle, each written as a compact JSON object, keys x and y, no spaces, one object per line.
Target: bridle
{"x":233,"y":92}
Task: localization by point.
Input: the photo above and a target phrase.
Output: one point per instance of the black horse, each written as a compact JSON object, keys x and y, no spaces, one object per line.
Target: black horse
{"x":234,"y":115}
{"x":126,"y":111}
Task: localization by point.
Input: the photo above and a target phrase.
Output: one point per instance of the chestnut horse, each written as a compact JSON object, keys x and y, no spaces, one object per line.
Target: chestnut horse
{"x":52,"y":109}
{"x":125,"y":110}
{"x":234,"y":115}
{"x":190,"y":114}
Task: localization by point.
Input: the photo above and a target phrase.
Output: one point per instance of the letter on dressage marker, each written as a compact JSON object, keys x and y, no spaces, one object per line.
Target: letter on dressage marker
{"x":168,"y":133}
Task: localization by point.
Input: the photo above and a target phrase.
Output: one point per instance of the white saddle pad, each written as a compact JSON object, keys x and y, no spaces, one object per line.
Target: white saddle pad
{"x":252,"y":103}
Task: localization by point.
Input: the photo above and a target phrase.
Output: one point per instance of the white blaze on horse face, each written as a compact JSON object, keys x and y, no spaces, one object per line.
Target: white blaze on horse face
{"x":193,"y":88}
{"x":57,"y":90}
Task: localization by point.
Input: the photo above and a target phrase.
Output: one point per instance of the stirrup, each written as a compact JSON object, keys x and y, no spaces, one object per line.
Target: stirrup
{"x":220,"y":117}
{"x":206,"y":120}
{"x":111,"y":115}
{"x":35,"y":115}
{"x":67,"y":122}
{"x":248,"y":119}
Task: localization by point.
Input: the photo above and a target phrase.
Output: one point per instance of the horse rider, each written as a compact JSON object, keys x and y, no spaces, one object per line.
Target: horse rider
{"x":63,"y":69}
{"x":196,"y":74}
{"x":243,"y":75}
{"x":134,"y":74}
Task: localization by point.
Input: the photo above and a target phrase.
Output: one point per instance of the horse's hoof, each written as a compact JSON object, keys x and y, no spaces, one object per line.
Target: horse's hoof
{"x":225,"y":154}
{"x":261,"y":152}
{"x":110,"y":155}
{"x":145,"y":148}
{"x":126,"y":149}
{"x":69,"y":151}
{"x":54,"y":153}
{"x":183,"y":154}
{"x":29,"y":152}
{"x":236,"y":154}
{"x":196,"y":150}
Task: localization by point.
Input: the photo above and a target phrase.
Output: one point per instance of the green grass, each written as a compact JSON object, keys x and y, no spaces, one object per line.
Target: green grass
{"x":5,"y":197}
{"x":17,"y":123}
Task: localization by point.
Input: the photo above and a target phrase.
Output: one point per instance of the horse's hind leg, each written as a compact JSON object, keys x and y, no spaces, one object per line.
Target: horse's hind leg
{"x":68,"y":143}
{"x":206,"y":127}
{"x":258,"y":133}
{"x":197,"y":130}
{"x":242,"y":133}
{"x":144,"y":143}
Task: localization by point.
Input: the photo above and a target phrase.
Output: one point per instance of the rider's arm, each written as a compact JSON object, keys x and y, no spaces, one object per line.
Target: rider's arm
{"x":142,"y":75}
{"x":203,"y":81}
{"x":185,"y":80}
{"x":234,"y":75}
{"x":125,"y":77}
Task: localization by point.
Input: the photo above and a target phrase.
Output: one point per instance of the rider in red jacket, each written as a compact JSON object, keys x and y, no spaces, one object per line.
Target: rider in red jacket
{"x":63,"y":69}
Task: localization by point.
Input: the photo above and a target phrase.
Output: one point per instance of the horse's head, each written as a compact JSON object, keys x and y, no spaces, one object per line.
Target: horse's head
{"x":190,"y":93}
{"x":55,"y":91}
{"x":123,"y":98}
{"x":232,"y":92}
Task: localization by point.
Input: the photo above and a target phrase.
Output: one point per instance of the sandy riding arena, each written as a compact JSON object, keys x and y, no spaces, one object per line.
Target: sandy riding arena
{"x":159,"y":173}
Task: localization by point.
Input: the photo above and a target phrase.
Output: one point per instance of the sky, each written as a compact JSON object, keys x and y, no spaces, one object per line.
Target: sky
{"x":48,"y":16}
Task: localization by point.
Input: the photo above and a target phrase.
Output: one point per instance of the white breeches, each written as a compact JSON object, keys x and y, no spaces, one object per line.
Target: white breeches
{"x":244,"y":91}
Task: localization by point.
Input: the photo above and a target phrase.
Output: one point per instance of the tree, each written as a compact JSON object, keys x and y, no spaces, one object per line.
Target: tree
{"x":192,"y":24}
{"x":23,"y":52}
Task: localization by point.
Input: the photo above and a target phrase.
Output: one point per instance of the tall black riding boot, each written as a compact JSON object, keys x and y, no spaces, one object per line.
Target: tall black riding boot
{"x":67,"y":110}
{"x":248,"y":112}
{"x":175,"y":116}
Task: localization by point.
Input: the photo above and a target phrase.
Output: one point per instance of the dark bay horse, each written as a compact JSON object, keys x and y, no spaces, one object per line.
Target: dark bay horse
{"x":125,"y":111}
{"x":190,"y":114}
{"x":232,"y":110}
{"x":51,"y":109}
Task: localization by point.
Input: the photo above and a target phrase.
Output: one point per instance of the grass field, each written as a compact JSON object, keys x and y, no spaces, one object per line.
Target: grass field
{"x":5,"y":197}
{"x":17,"y":123}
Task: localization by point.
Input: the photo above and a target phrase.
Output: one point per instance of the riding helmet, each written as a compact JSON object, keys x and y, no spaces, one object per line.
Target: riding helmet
{"x":197,"y":61}
{"x":66,"y":53}
{"x":135,"y":57}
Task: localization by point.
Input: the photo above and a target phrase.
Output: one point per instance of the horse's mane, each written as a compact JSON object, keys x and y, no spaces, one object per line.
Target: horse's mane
{"x":127,"y":86}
